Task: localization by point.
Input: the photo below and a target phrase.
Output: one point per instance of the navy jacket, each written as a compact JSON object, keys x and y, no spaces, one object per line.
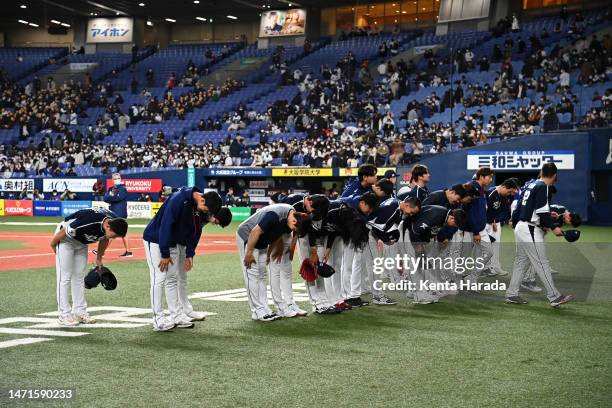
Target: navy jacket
{"x":177,"y":222}
{"x":476,"y":211}
{"x":353,"y":188}
{"x":117,"y":201}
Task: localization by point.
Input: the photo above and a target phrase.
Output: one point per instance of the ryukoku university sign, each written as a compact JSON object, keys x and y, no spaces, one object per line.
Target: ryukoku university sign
{"x":520,"y":159}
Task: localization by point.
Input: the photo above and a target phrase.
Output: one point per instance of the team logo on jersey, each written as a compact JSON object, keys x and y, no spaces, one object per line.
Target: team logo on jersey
{"x":90,"y":238}
{"x":496,"y":205}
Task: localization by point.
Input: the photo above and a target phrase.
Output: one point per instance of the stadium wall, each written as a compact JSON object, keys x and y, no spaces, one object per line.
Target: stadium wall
{"x":573,"y":186}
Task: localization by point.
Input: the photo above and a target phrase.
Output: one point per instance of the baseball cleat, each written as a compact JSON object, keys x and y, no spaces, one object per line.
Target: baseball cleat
{"x":516,"y":300}
{"x":327,"y":310}
{"x":383,"y":300}
{"x":357,"y":302}
{"x":427,"y":301}
{"x":126,"y":254}
{"x":488,"y":272}
{"x":343,"y":306}
{"x":185,"y":324}
{"x":164,"y":327}
{"x":196,"y":316}
{"x":68,"y":321}
{"x":561,"y":300}
{"x":269,"y":317}
{"x":531,"y":286}
{"x":300,"y":312}
{"x":85,"y":319}
{"x":287,"y":313}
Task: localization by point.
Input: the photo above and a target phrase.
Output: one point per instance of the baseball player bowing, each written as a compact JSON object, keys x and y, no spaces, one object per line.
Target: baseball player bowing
{"x":421,"y":228}
{"x":72,"y":236}
{"x":384,"y":232}
{"x":170,"y":241}
{"x":316,"y":206}
{"x":560,"y":216}
{"x":253,"y":237}
{"x":222,"y":218}
{"x":475,"y":236}
{"x":534,"y":219}
{"x":352,"y":254}
{"x":499,"y":199}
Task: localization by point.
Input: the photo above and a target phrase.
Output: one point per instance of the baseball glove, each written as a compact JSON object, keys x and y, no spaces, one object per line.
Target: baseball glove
{"x":308,"y":271}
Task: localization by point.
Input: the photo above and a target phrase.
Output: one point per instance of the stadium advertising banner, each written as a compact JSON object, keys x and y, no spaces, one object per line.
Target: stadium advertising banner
{"x":16,"y":184}
{"x":75,"y":185}
{"x":70,"y":207}
{"x":520,"y":159}
{"x":1,"y":207}
{"x":352,"y":171}
{"x":136,"y":209}
{"x":48,"y":208}
{"x":139,"y":185}
{"x":237,"y":172}
{"x":155,"y":208}
{"x":278,"y":23}
{"x":301,"y":172}
{"x":18,"y":207}
{"x":240,"y":213}
{"x":110,"y":30}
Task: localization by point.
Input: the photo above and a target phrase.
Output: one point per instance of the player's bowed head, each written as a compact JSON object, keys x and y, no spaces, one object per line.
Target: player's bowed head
{"x":207,"y":203}
{"x":115,"y":228}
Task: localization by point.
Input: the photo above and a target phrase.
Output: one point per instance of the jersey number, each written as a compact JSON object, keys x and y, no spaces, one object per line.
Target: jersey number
{"x":525,"y":197}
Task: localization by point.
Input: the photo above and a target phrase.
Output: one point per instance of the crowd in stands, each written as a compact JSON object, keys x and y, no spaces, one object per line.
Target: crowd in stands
{"x":343,"y":110}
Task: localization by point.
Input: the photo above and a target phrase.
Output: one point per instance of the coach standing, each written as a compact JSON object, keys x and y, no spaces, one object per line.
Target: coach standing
{"x":117,"y":197}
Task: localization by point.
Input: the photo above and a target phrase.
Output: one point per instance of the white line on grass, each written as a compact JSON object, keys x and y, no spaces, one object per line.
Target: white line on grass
{"x":24,"y":341}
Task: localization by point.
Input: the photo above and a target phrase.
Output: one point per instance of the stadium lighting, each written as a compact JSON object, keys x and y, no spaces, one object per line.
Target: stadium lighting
{"x":22,"y":21}
{"x":200,"y":18}
{"x":170,"y":20}
{"x":196,"y":1}
{"x":33,"y":24}
{"x":56,"y":22}
{"x":141,"y":4}
{"x":149,"y":23}
{"x":232,"y":17}
{"x":65,"y":25}
{"x":23,"y":6}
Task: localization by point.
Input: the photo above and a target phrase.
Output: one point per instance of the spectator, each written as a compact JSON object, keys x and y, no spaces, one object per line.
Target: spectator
{"x":229,"y":200}
{"x":54,"y":196}
{"x":551,"y":121}
{"x":99,"y":189}
{"x":67,"y":195}
{"x":245,"y":200}
{"x":117,"y":197}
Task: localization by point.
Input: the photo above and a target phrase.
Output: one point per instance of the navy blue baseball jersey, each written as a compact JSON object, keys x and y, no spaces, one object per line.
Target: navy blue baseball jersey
{"x":296,"y":200}
{"x":85,"y":225}
{"x":437,"y":198}
{"x":428,"y":222}
{"x":559,"y":209}
{"x":419,"y":192}
{"x":498,"y":207}
{"x":534,"y":207}
{"x":387,"y":216}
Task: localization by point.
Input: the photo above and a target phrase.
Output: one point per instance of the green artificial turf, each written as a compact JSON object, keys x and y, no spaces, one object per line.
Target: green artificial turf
{"x":467,"y":351}
{"x":11,"y":244}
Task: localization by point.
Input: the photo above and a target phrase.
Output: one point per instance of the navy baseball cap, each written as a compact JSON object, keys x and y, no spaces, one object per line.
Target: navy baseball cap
{"x":390,"y":174}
